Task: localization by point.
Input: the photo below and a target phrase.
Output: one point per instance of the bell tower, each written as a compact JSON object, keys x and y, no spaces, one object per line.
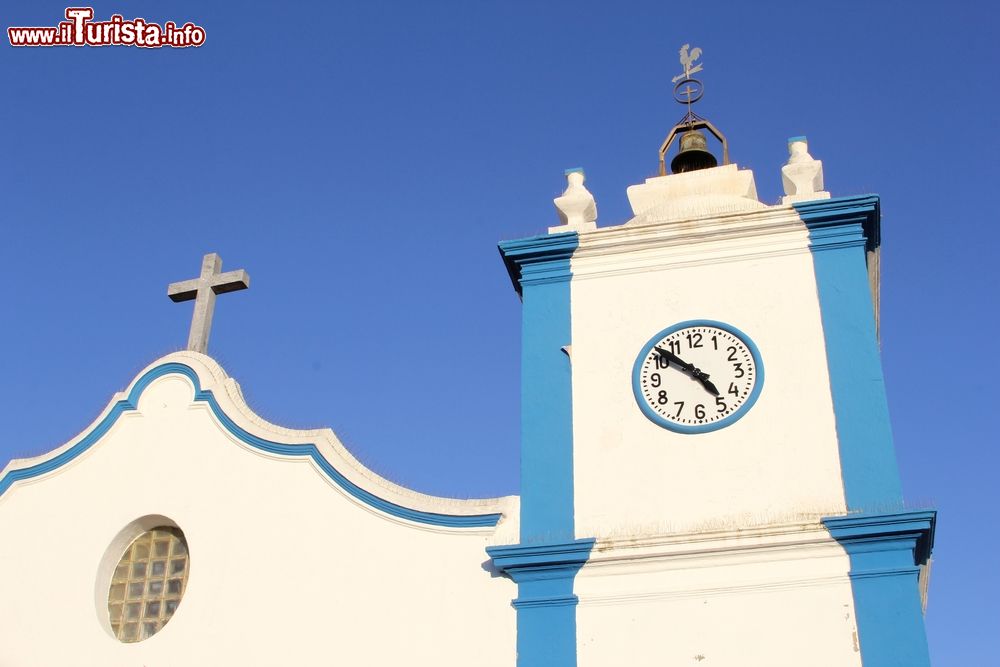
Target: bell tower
{"x":708,"y":471}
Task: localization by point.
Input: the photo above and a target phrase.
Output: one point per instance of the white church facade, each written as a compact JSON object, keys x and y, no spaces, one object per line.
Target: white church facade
{"x":707,"y":476}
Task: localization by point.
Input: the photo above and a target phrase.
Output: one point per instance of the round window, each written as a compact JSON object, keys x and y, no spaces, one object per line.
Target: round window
{"x":148,"y":583}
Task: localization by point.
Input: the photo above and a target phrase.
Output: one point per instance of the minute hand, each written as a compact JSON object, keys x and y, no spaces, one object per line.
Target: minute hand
{"x":692,"y":370}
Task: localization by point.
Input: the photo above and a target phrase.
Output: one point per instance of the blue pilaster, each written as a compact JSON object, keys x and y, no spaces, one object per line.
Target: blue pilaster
{"x":549,"y":556}
{"x":546,"y":605}
{"x":840,"y":230}
{"x":886,"y":551}
{"x":886,"y":546}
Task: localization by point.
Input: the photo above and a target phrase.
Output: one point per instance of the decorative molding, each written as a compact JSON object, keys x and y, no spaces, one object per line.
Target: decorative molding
{"x":888,"y":552}
{"x":842,"y":212}
{"x":310,"y":451}
{"x":539,"y":259}
{"x":553,"y":557}
{"x":677,"y":549}
{"x":847,"y":212}
{"x":545,"y":603}
{"x":771,"y":232}
{"x":536,"y":564}
{"x":866,"y":533}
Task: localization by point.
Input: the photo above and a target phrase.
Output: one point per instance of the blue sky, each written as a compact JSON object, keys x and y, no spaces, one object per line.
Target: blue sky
{"x":362,"y":160}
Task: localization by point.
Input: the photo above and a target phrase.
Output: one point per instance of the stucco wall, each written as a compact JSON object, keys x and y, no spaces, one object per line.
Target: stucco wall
{"x":780,"y":460}
{"x":286,"y":568}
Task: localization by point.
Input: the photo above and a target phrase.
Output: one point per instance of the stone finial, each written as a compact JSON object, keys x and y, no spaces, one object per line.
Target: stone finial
{"x":802,"y":175}
{"x":577,"y":208}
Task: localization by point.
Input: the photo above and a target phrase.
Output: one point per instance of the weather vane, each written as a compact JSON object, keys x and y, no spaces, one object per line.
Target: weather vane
{"x":688,"y":90}
{"x":687,"y":58}
{"x":694,"y":153}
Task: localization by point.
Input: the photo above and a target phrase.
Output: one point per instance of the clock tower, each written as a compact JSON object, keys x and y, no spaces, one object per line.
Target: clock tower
{"x":708,"y":473}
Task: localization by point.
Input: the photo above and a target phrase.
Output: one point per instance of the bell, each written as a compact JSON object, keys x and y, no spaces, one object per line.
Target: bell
{"x":693,"y":154}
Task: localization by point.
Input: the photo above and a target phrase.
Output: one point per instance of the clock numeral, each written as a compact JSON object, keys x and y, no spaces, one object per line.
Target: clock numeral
{"x":654,"y":379}
{"x":661,"y":398}
{"x":661,"y":362}
{"x":680,"y":406}
{"x":675,"y":347}
{"x":733,"y":389}
{"x":699,"y":411}
{"x":721,"y":403}
{"x":732,"y":354}
{"x":694,"y":340}
{"x":715,"y":342}
{"x":739,"y":370}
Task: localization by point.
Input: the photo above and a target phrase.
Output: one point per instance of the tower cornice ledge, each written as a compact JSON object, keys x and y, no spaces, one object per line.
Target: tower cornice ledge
{"x":762,"y":232}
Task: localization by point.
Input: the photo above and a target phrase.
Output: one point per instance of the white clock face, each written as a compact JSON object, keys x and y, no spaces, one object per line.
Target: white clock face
{"x":697,"y":376}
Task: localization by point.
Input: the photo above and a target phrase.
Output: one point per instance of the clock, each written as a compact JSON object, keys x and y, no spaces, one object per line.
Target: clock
{"x":697,"y":376}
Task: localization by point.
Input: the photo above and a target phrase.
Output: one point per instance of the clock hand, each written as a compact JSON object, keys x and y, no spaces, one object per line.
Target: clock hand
{"x":671,"y":357}
{"x":707,"y":384}
{"x":692,"y":370}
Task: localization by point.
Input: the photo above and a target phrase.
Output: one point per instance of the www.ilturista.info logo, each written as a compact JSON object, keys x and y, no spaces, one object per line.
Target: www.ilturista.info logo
{"x":81,"y":30}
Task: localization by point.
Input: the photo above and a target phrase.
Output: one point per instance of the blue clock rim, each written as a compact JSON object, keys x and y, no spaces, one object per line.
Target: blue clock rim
{"x":697,"y":428}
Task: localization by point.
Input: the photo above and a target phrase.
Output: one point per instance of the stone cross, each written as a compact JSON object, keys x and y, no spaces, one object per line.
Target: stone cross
{"x":203,"y":290}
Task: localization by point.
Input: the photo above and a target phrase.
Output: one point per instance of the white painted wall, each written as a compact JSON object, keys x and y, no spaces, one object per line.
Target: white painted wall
{"x":709,"y":547}
{"x":286,"y":569}
{"x":767,"y":598}
{"x":780,"y":461}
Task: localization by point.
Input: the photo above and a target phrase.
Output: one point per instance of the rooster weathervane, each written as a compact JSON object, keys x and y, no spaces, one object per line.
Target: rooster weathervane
{"x":687,"y":59}
{"x":687,"y":89}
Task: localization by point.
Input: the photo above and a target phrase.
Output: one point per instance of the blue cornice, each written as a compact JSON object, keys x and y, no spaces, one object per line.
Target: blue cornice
{"x":539,"y":259}
{"x":842,"y":221}
{"x":305,"y":450}
{"x":545,"y":603}
{"x":862,"y":533}
{"x":544,"y":572}
{"x":519,"y":560}
{"x":886,"y":551}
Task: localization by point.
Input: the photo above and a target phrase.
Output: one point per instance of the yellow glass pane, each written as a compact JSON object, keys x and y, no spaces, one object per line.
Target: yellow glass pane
{"x":139,"y":578}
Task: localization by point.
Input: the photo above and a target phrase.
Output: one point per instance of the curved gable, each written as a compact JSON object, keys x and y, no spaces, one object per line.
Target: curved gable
{"x":220,"y":394}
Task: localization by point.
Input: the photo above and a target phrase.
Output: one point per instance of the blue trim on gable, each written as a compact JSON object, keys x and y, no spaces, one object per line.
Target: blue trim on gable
{"x":545,"y":563}
{"x":294,"y":450}
{"x":886,"y":551}
{"x":840,"y":230}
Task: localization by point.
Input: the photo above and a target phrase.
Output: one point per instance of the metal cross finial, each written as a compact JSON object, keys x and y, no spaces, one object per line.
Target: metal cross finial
{"x":203,"y":290}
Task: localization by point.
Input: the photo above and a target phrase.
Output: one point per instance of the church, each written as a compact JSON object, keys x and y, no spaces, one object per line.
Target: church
{"x":708,"y":475}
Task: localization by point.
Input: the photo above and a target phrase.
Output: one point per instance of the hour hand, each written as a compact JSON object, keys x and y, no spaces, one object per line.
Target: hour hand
{"x":706,"y":383}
